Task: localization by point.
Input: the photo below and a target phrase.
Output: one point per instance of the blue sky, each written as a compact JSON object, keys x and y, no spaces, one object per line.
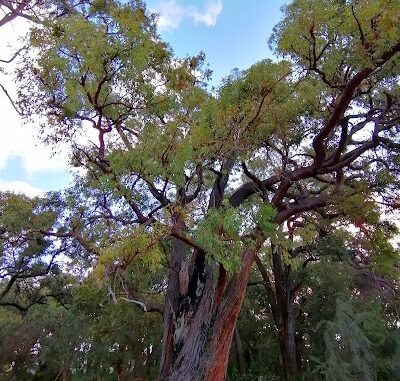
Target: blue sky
{"x":238,"y":38}
{"x":232,"y":34}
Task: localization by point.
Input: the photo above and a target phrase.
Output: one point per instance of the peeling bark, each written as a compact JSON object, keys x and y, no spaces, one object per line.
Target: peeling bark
{"x":171,"y":305}
{"x":204,"y":323}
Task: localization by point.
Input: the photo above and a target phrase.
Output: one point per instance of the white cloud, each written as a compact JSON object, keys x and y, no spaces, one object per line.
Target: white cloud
{"x":209,"y":15}
{"x":18,"y":140}
{"x":21,"y":187}
{"x":171,"y":14}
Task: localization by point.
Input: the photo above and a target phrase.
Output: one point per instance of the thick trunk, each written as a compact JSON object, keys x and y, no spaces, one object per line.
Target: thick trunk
{"x":201,"y":329}
{"x":171,"y":305}
{"x":284,"y":316}
{"x":287,"y":343}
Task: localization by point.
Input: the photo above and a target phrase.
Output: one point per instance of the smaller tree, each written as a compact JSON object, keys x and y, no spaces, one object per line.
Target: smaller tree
{"x":30,"y":267}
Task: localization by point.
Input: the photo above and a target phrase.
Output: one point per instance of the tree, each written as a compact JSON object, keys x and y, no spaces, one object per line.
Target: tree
{"x":13,"y":9}
{"x":36,"y":11}
{"x":202,"y":183}
{"x":344,"y":324}
{"x":86,"y":338}
{"x":338,"y":45}
{"x":368,"y":252}
{"x":29,"y":263}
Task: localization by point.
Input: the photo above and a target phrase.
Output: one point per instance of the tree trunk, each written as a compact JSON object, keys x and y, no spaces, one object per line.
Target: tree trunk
{"x":171,"y":305}
{"x":65,"y":372}
{"x":281,"y":300}
{"x":287,"y":344}
{"x":198,"y":329}
{"x":284,"y":316}
{"x":239,"y":354}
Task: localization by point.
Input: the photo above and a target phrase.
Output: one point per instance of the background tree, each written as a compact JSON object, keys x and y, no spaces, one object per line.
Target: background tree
{"x":30,"y":261}
{"x":87,"y":338}
{"x":344,"y":326}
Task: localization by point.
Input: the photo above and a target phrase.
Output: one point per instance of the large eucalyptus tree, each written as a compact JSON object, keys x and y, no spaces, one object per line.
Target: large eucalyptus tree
{"x":199,"y":184}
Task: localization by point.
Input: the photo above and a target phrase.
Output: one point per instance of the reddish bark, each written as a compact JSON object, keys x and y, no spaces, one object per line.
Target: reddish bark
{"x":171,"y":306}
{"x":226,"y":322}
{"x":204,"y":327}
{"x":222,"y":279}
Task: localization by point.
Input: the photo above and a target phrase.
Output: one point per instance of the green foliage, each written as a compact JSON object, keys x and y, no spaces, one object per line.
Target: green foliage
{"x":141,"y":246}
{"x":19,"y":213}
{"x":92,"y":336}
{"x":265,"y":218}
{"x":385,"y":257}
{"x":170,"y":157}
{"x":96,"y":68}
{"x":218,"y":234}
{"x":28,"y":272}
{"x":355,"y":340}
{"x":332,"y":246}
{"x":348,"y":349}
{"x":385,"y":177}
{"x":359,"y":205}
{"x":334,"y":25}
{"x":307,"y":234}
